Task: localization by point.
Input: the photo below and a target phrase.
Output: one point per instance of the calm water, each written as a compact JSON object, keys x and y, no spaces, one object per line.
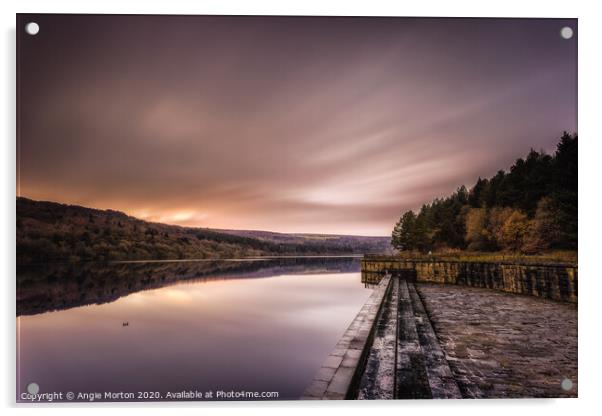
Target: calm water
{"x":234,"y":325}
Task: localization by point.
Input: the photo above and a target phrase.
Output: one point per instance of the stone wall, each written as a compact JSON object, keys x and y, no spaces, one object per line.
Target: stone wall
{"x":552,"y":281}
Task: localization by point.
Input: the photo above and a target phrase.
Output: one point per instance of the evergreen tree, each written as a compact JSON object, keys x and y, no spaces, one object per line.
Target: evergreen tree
{"x":405,"y":238}
{"x":531,"y":207}
{"x":396,"y":235}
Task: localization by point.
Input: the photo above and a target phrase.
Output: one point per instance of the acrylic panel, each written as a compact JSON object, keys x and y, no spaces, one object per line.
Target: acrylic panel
{"x":237,"y":208}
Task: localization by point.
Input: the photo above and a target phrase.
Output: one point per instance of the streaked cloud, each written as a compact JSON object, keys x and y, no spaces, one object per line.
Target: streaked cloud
{"x":284,"y":124}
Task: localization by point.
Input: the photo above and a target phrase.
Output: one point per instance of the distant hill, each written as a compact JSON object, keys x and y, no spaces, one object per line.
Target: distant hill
{"x":54,"y":232}
{"x":361,"y":244}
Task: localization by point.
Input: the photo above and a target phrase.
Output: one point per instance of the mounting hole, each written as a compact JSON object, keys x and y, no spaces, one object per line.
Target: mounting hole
{"x":32,"y":28}
{"x":33,"y":388}
{"x":566,"y":32}
{"x":566,"y":384}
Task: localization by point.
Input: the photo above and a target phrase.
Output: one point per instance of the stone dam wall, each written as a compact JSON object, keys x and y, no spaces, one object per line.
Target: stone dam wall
{"x":552,"y":281}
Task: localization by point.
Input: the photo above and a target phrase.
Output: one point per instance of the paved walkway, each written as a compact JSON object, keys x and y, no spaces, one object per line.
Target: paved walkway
{"x":501,"y":345}
{"x":404,"y":360}
{"x":434,"y":341}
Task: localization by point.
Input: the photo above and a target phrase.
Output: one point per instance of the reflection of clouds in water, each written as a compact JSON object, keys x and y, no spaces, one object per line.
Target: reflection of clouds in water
{"x":270,"y":332}
{"x":178,"y":296}
{"x":63,"y":286}
{"x":292,"y":299}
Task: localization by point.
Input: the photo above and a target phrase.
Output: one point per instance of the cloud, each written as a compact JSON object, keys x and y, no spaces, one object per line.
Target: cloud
{"x":298,"y":125}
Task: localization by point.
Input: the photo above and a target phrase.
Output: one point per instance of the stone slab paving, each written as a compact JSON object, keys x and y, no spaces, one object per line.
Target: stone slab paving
{"x":405,"y":360}
{"x":440,"y":378}
{"x":338,"y":373}
{"x":501,"y":345}
{"x":411,"y":380}
{"x":378,"y":379}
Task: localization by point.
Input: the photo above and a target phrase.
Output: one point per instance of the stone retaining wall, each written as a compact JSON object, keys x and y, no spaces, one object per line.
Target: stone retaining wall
{"x":552,"y":281}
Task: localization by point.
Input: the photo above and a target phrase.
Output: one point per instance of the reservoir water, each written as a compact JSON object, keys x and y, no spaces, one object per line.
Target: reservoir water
{"x":153,"y":328}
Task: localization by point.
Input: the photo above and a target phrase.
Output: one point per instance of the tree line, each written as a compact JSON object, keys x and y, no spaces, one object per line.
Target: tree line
{"x":529,"y":209}
{"x":53,"y":232}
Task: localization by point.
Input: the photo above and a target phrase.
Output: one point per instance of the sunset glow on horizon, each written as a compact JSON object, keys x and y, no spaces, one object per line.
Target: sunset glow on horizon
{"x":300,"y":125}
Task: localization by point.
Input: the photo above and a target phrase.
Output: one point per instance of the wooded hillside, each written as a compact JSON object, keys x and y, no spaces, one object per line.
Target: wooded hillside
{"x":529,"y":209}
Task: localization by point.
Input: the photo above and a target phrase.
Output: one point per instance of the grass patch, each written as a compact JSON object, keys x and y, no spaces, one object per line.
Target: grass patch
{"x":563,"y":257}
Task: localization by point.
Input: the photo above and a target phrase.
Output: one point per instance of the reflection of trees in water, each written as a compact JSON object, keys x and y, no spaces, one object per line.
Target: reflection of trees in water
{"x":49,"y":287}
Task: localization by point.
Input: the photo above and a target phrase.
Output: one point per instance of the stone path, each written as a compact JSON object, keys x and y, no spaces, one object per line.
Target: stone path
{"x":422,"y":341}
{"x":501,"y":345}
{"x":378,"y":379}
{"x":440,"y":378}
{"x":404,"y":360}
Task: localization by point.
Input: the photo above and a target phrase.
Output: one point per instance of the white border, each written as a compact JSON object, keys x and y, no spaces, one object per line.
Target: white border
{"x":590,"y":68}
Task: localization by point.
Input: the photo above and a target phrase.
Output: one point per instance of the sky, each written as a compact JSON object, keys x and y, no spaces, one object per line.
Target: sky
{"x":287,"y":124}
